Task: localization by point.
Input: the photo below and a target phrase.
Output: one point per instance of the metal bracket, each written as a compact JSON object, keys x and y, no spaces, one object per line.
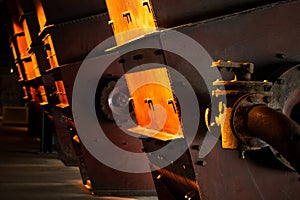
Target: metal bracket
{"x":146,"y":3}
{"x":149,"y":102}
{"x":241,"y":70}
{"x":128,"y":16}
{"x":111,"y":23}
{"x":171,"y":101}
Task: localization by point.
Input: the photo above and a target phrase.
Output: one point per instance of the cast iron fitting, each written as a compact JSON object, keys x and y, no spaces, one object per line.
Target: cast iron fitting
{"x":239,"y":119}
{"x":241,"y":70}
{"x":239,"y":88}
{"x":286,"y":93}
{"x":278,"y":130}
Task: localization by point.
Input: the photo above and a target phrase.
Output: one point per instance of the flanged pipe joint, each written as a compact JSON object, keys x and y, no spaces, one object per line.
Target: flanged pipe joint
{"x":246,"y":120}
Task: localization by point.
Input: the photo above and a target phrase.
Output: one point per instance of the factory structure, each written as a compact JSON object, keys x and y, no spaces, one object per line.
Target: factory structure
{"x":191,"y":100}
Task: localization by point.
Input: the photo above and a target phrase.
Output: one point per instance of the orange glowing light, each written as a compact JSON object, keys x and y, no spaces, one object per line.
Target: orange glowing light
{"x":130,"y":19}
{"x":62,"y":95}
{"x":155,"y":105}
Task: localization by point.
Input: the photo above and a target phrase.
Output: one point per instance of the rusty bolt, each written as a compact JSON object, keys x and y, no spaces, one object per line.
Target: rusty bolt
{"x":280,"y":56}
{"x":196,"y":147}
{"x":138,"y":57}
{"x":158,"y":52}
{"x":267,"y":87}
{"x":201,"y":163}
{"x":242,"y":154}
{"x":121,"y":61}
{"x":267,"y":99}
{"x":280,"y":81}
{"x":250,"y":99}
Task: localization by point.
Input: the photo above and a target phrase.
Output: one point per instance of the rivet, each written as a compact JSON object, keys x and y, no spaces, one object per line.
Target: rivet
{"x":242,"y":154}
{"x":280,"y":81}
{"x":250,"y":99}
{"x":122,"y":61}
{"x":201,"y":163}
{"x":267,"y":99}
{"x":195,"y":147}
{"x":158,"y":177}
{"x":158,"y":52}
{"x":138,"y":57}
{"x":280,"y":56}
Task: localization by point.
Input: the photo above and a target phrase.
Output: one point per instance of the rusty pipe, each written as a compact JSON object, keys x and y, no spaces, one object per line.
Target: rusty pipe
{"x":278,"y":130}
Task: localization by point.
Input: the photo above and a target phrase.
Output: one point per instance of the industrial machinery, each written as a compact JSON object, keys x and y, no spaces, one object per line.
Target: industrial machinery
{"x":199,"y":99}
{"x":46,"y":35}
{"x":252,"y":158}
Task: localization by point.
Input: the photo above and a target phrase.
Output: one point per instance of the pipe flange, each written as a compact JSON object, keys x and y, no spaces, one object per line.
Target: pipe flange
{"x":286,"y":98}
{"x":239,"y":119}
{"x":286,"y":93}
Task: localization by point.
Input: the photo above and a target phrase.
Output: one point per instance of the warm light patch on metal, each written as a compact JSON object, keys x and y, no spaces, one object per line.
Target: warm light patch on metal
{"x":154,"y":104}
{"x":38,"y":95}
{"x":130,"y":19}
{"x":229,"y":141}
{"x":42,"y":92}
{"x":50,"y":50}
{"x":62,"y":95}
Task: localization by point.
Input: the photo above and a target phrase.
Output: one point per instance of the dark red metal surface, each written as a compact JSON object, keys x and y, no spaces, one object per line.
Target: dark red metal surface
{"x":66,"y":152}
{"x":177,"y":180}
{"x":53,"y":12}
{"x":104,"y":180}
{"x":68,"y":73}
{"x":169,"y":14}
{"x":137,"y":18}
{"x":266,"y":36}
{"x":39,"y":58}
{"x":252,"y":36}
{"x":258,"y":35}
{"x":227,"y":177}
{"x":109,"y":181}
{"x":79,"y":37}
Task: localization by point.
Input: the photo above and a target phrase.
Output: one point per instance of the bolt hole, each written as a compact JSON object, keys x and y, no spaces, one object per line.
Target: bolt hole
{"x":121,"y":61}
{"x":280,"y":56}
{"x":295,"y":114}
{"x":158,"y":52}
{"x":278,"y":155}
{"x":201,"y":163}
{"x":281,"y":81}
